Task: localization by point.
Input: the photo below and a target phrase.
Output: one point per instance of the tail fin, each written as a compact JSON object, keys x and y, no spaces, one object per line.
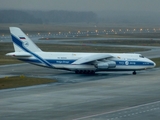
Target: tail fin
{"x":21,"y":42}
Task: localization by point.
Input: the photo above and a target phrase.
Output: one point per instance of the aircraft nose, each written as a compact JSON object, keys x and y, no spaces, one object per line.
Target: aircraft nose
{"x":154,"y":64}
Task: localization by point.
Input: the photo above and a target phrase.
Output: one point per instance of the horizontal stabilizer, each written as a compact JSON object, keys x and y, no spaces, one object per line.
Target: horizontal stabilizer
{"x":92,"y":58}
{"x":19,"y":54}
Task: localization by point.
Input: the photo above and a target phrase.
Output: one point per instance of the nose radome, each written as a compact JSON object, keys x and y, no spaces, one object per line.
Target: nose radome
{"x":154,"y":64}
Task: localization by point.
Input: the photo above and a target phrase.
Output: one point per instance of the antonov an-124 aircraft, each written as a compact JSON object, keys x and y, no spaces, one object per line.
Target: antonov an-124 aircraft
{"x":80,"y":63}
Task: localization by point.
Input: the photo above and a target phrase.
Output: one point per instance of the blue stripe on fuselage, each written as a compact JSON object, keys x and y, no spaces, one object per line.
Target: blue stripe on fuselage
{"x":20,"y":44}
{"x":118,"y":63}
{"x":50,"y":61}
{"x":134,"y":63}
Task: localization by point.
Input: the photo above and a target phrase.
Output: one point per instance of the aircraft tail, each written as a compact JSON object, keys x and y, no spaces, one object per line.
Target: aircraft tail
{"x":21,"y":42}
{"x":25,"y":48}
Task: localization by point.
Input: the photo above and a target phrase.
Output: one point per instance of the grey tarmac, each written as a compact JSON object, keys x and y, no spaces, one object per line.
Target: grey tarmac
{"x":104,"y":96}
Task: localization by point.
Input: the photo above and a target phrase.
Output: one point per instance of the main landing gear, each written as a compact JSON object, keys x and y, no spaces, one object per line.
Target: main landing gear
{"x":134,"y":73}
{"x":84,"y":71}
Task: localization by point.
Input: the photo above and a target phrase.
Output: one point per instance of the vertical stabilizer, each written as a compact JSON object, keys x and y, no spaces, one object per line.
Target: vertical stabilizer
{"x":21,"y":42}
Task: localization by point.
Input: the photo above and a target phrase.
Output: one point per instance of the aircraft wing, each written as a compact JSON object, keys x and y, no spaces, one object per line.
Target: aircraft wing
{"x":92,"y":58}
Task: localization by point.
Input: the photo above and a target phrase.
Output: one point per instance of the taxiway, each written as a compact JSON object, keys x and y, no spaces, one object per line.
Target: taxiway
{"x":104,"y":96}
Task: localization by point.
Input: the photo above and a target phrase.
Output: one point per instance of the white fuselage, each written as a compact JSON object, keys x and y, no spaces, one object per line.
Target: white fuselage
{"x":65,"y":60}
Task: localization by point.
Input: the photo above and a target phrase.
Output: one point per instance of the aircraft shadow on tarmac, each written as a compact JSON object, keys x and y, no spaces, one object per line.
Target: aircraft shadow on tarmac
{"x":70,"y":77}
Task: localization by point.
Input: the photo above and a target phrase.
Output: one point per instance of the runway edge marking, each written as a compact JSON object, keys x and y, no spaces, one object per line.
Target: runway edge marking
{"x":116,"y":110}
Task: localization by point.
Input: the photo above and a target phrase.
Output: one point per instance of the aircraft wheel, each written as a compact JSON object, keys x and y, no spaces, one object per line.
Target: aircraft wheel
{"x":81,"y":72}
{"x":93,"y":72}
{"x":77,"y":72}
{"x":88,"y":72}
{"x":84,"y":72}
{"x":134,"y":73}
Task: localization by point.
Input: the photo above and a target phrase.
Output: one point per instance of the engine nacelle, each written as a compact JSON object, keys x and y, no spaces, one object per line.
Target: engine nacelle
{"x":106,"y":65}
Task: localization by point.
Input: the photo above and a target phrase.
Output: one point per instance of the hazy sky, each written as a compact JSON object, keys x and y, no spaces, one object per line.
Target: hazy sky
{"x":82,"y":5}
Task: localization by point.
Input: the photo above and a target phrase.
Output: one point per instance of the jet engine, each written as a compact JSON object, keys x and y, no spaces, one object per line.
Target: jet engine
{"x":106,"y":65}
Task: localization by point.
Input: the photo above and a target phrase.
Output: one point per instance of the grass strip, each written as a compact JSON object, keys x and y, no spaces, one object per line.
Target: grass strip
{"x":22,"y":81}
{"x":150,"y":42}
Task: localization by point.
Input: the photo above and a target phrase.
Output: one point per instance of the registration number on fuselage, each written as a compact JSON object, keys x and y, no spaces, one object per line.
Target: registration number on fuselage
{"x":62,"y":58}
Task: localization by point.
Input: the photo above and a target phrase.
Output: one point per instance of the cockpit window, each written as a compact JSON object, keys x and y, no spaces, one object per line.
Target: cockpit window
{"x":141,"y":56}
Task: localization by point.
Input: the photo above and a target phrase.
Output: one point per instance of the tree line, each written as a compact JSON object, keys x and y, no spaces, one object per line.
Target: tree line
{"x":40,"y":17}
